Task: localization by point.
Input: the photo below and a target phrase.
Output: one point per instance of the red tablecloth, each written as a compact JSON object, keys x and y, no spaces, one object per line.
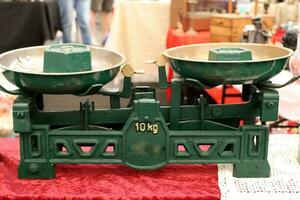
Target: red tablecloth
{"x":107,"y":181}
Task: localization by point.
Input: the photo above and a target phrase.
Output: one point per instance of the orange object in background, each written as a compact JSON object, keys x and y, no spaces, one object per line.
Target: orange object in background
{"x":232,"y":95}
{"x":176,"y":38}
{"x":199,"y":24}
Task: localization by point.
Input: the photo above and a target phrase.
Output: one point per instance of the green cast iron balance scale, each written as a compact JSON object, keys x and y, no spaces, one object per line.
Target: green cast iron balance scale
{"x":144,"y":135}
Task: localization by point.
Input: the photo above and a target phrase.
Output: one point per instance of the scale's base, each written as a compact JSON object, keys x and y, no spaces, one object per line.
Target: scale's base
{"x":36,"y":169}
{"x":59,"y":146}
{"x":145,"y":135}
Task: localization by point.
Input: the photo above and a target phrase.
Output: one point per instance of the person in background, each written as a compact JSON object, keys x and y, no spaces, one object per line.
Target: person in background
{"x":256,"y":33}
{"x":105,"y":7}
{"x":66,"y":10}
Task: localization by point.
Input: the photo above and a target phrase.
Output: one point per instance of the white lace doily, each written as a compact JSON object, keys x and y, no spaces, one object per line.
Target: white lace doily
{"x":284,"y":182}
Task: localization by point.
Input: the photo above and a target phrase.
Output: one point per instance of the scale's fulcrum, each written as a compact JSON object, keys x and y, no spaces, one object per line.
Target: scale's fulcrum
{"x":145,"y":135}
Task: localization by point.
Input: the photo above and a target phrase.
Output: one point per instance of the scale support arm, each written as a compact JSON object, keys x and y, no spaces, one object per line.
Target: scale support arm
{"x":161,"y":62}
{"x":125,"y":92}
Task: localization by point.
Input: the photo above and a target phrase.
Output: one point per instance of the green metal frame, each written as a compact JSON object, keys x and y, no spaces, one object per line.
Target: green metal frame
{"x":145,"y":135}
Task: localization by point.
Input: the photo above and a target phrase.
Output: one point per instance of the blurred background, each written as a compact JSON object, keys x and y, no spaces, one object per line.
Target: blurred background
{"x":142,"y":29}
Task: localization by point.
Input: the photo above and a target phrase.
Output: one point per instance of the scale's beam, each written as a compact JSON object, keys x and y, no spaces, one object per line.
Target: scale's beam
{"x":121,"y":115}
{"x":187,"y":112}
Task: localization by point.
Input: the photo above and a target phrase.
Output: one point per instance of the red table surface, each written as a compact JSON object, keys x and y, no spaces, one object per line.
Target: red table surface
{"x":109,"y":181}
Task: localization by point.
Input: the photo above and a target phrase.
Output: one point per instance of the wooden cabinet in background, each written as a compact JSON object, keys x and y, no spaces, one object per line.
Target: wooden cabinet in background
{"x":268,"y":21}
{"x":228,"y":27}
{"x":201,"y":14}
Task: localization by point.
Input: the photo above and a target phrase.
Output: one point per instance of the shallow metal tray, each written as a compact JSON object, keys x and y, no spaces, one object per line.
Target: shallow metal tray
{"x":191,"y":61}
{"x":24,"y":68}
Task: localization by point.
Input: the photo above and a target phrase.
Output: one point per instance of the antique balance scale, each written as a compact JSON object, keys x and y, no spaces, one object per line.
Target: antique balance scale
{"x":143,"y":135}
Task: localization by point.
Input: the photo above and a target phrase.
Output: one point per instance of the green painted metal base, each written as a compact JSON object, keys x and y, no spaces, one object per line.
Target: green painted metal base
{"x":36,"y":170}
{"x":145,"y":135}
{"x":152,"y":149}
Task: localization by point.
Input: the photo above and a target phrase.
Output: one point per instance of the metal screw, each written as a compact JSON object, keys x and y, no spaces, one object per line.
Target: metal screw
{"x":20,"y":115}
{"x":157,"y":149}
{"x":146,"y":118}
{"x":217,"y":112}
{"x":270,"y":105}
{"x":33,"y":168}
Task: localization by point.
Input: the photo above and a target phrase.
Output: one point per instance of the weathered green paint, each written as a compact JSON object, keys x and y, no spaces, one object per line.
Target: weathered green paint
{"x":163,"y":83}
{"x":269,"y":109}
{"x":226,"y":65}
{"x":147,"y":145}
{"x":146,"y":135}
{"x":229,"y":54}
{"x":63,"y":84}
{"x":67,"y":69}
{"x":149,"y":136}
{"x":62,"y":58}
{"x":175,"y":103}
{"x":228,"y":73}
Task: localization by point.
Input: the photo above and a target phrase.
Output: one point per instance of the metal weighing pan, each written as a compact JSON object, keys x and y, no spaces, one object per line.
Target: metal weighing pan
{"x":24,"y":68}
{"x":192,"y":61}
